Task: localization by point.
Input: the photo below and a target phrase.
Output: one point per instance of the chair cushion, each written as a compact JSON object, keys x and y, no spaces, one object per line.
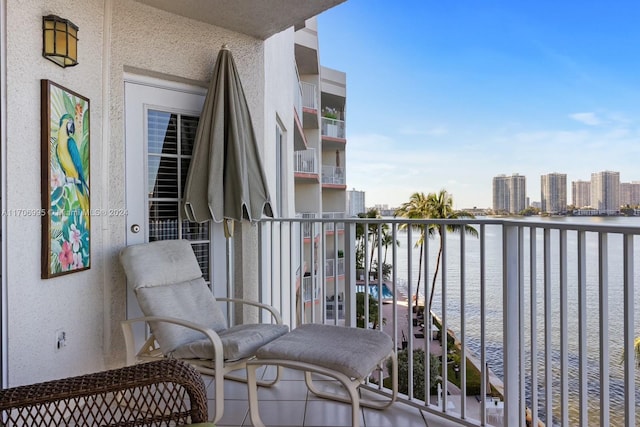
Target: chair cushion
{"x":179,"y":263}
{"x":190,"y":300}
{"x":238,"y":342}
{"x":352,"y":351}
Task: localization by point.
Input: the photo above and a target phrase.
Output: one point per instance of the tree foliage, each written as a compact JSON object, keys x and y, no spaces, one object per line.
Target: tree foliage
{"x":418,"y":372}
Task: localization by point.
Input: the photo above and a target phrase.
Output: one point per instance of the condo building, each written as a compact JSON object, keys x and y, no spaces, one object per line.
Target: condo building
{"x":630,"y":193}
{"x":355,"y":202}
{"x":553,"y":193}
{"x":581,"y":193}
{"x":605,"y":192}
{"x":320,"y":169}
{"x":509,"y":193}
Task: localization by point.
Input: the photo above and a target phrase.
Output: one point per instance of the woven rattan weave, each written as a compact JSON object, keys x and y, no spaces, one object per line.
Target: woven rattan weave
{"x":162,"y":393}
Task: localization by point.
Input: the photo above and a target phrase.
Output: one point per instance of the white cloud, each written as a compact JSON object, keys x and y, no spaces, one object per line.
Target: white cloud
{"x":590,"y":119}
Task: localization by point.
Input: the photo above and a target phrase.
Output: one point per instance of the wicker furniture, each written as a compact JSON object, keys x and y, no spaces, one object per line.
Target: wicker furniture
{"x":163,"y":393}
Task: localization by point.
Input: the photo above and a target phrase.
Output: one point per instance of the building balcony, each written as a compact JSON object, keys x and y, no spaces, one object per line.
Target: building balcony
{"x":310,"y":99}
{"x":332,"y":227}
{"x":333,"y":129}
{"x":305,"y":165}
{"x":334,"y":267}
{"x":543,"y":314}
{"x":334,"y":176}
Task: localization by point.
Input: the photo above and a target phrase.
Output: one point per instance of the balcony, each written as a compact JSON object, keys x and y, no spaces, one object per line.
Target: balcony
{"x":544,"y":314}
{"x":333,"y":129}
{"x":333,"y":176}
{"x":305,"y":165}
{"x":332,"y":227}
{"x":299,"y":138}
{"x":310,"y":105}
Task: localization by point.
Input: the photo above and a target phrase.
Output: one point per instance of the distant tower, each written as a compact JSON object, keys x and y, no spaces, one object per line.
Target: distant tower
{"x":509,"y":193}
{"x":581,"y":193}
{"x":355,"y":202}
{"x":553,"y":193}
{"x":605,"y":192}
{"x":500,"y":194}
{"x":630,"y":193}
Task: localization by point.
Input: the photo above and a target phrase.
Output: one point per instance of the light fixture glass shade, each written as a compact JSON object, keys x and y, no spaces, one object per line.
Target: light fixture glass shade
{"x":60,"y":40}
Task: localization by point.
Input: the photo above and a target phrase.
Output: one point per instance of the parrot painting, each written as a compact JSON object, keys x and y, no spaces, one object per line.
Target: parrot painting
{"x":71,"y":163}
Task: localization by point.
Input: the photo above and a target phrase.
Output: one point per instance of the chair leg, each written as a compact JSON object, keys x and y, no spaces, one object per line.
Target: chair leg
{"x":252,"y":385}
{"x":219,"y":381}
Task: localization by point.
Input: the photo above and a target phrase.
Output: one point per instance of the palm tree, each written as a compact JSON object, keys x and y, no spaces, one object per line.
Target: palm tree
{"x":435,"y":206}
{"x":417,"y":208}
{"x":361,"y":232}
{"x":441,"y":207}
{"x":387,"y":240}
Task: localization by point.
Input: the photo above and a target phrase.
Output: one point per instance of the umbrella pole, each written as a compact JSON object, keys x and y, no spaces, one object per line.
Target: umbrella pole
{"x":230,"y":293}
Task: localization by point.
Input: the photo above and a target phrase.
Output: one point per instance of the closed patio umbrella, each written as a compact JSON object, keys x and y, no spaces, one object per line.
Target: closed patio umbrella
{"x":226,"y":181}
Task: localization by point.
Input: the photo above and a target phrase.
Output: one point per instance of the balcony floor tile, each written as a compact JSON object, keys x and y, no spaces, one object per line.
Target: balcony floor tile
{"x":289,"y":403}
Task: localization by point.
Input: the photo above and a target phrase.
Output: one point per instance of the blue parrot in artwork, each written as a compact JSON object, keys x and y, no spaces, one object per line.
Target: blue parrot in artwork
{"x":70,"y":161}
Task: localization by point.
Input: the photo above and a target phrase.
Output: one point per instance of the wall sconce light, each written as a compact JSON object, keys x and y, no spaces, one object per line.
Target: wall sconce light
{"x":60,"y":41}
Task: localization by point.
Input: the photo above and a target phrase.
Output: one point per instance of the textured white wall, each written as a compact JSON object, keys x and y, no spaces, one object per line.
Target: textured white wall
{"x":35,"y":307}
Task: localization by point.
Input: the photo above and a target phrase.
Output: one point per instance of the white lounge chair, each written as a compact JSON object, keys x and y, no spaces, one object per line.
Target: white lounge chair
{"x":185,"y":319}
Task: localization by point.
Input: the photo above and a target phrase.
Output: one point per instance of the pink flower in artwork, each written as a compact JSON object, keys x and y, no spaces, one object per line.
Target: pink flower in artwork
{"x":66,"y":256}
{"x":56,"y":179}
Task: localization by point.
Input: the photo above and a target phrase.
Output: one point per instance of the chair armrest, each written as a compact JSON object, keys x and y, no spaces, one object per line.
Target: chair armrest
{"x":172,"y":392}
{"x":209,"y":333}
{"x":274,"y":312}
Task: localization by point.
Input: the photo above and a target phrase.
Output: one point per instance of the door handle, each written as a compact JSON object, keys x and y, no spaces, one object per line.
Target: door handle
{"x":135,"y":228}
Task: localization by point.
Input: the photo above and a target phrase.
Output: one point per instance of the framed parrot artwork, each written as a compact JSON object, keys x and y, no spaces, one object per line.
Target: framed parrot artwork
{"x":66,"y":211}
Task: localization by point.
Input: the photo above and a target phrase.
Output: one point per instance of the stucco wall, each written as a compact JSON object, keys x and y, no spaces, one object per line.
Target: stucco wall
{"x":35,"y":307}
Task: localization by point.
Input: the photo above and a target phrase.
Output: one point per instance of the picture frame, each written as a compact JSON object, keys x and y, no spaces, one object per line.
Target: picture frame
{"x":65,"y":177}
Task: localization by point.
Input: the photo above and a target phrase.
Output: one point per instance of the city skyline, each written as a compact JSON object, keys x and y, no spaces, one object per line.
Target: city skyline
{"x":527,"y":194}
{"x":447,"y":95}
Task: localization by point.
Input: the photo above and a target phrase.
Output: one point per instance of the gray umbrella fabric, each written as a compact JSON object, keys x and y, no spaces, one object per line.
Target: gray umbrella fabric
{"x":226,"y":180}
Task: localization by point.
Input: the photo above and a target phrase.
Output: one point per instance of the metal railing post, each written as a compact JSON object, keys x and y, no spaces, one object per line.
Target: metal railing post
{"x":350,"y":274}
{"x":511,"y":326}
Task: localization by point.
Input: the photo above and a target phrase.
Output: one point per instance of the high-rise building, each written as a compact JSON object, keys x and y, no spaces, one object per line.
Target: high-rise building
{"x":605,"y":192}
{"x":630,"y":193}
{"x":509,"y":193}
{"x":355,"y":202}
{"x":553,"y":193}
{"x":581,"y":193}
{"x":500,"y":194}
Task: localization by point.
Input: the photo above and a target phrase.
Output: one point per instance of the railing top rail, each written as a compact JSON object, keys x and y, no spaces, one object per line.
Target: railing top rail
{"x":605,"y":228}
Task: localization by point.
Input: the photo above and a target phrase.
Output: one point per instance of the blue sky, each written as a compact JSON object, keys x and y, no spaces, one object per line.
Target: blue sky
{"x":449,"y":94}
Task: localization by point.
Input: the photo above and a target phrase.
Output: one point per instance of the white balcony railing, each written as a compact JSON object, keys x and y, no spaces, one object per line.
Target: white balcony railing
{"x":309,"y":228}
{"x":333,"y":226}
{"x":309,"y":95}
{"x":305,"y":161}
{"x":297,"y":93}
{"x":544,"y":311}
{"x":333,"y":128}
{"x":333,"y":175}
